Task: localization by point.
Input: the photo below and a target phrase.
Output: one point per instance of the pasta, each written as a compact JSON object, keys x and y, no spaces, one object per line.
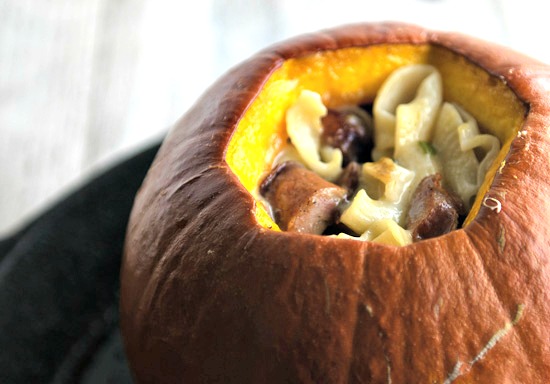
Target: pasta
{"x":405,"y":109}
{"x":456,"y":137}
{"x":304,"y":128}
{"x":385,"y":231}
{"x":395,"y":179}
{"x":407,"y":106}
{"x":364,"y":211}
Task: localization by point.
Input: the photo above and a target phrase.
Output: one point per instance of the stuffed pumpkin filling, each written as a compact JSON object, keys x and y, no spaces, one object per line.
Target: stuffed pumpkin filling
{"x":396,"y":158}
{"x":405,"y":172}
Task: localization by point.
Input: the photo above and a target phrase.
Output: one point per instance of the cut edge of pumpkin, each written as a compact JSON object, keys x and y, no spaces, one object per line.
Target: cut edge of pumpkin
{"x":352,"y":76}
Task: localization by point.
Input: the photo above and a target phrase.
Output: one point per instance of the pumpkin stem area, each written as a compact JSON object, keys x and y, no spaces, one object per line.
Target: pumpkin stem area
{"x":281,"y":148}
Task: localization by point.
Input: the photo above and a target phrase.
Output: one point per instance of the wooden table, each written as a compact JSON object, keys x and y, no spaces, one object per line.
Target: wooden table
{"x":86,"y":82}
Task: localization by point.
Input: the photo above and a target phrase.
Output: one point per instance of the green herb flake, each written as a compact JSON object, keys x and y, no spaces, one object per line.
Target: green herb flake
{"x":427,"y":147}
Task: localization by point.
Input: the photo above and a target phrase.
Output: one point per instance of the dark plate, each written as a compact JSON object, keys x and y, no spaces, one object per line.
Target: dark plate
{"x":59,"y":282}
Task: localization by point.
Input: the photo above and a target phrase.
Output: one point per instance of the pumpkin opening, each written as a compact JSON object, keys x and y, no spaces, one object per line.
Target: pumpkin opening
{"x":353,"y":76}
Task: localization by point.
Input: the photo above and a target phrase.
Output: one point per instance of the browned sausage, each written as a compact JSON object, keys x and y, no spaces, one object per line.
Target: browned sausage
{"x":301,"y":200}
{"x":434,"y":211}
{"x":349,"y":131}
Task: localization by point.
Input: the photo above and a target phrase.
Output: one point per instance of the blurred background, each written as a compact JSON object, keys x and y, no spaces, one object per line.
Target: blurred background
{"x":84,"y":83}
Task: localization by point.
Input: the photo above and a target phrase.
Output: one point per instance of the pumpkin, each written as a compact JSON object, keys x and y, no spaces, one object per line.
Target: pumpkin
{"x":213,"y":292}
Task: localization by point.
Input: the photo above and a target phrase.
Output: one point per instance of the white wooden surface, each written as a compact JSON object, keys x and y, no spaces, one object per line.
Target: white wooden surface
{"x":86,"y":82}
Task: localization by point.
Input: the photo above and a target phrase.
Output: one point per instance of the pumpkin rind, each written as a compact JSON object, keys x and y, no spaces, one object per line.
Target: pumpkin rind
{"x":209,"y":295}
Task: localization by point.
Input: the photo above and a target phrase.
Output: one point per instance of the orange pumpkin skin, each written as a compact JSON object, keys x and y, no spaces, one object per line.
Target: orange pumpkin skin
{"x":210,"y":296}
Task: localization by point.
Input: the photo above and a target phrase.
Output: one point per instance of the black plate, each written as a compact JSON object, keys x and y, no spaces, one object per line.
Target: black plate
{"x":59,"y":281}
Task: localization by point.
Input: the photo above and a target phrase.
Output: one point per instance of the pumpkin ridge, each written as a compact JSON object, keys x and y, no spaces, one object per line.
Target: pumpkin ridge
{"x":382,"y":337}
{"x":189,"y":180}
{"x":356,"y":324}
{"x":173,"y":236}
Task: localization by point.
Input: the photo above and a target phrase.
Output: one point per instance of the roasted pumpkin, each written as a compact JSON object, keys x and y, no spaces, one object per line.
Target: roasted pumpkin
{"x":213,"y":292}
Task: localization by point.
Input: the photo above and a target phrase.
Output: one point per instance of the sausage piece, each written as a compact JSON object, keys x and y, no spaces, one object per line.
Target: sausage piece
{"x":350,"y":131}
{"x":434,"y":211}
{"x":349,"y":179}
{"x":301,"y":200}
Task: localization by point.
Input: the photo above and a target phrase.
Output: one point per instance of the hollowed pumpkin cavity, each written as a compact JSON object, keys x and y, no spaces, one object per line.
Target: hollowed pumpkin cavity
{"x":352,"y":76}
